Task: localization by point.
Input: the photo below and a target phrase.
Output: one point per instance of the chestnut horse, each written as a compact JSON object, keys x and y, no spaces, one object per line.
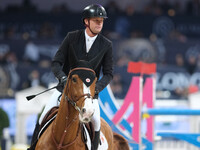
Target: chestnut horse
{"x":75,"y":109}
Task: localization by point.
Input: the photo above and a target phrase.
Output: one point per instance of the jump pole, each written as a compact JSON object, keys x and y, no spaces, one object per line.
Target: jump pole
{"x":185,"y":112}
{"x":147,"y":110}
{"x":147,"y":92}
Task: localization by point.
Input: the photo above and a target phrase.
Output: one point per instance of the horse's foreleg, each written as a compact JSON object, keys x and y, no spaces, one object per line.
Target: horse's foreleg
{"x":107,"y":131}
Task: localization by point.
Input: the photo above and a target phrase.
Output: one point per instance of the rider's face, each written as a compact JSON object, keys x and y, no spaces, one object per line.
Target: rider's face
{"x":95,"y":24}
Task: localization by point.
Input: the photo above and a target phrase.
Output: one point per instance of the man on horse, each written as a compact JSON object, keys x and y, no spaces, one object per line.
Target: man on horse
{"x":87,"y":44}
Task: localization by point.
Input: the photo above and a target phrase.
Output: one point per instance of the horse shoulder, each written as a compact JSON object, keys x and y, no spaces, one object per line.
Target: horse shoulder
{"x":41,"y":144}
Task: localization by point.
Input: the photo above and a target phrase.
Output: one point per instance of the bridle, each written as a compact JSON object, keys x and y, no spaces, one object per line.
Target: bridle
{"x":73,"y":103}
{"x":88,"y":95}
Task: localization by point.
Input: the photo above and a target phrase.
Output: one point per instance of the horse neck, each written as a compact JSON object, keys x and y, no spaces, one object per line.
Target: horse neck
{"x":67,"y":120}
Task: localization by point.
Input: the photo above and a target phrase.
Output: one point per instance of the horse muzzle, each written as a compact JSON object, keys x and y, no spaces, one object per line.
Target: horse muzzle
{"x":85,"y":115}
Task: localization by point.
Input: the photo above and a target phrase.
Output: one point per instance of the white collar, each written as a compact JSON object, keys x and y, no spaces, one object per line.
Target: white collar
{"x":88,"y":38}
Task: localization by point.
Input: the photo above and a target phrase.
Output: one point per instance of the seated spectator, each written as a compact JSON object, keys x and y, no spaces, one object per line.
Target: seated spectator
{"x":130,"y":10}
{"x":112,"y":8}
{"x":123,"y":61}
{"x":153,"y":8}
{"x":31,"y":54}
{"x":33,"y":80}
{"x":191,"y":64}
{"x":4,"y":51}
{"x":10,"y":32}
{"x":12,"y":58}
{"x":46,"y":30}
{"x":193,"y":7}
{"x":179,"y":60}
{"x":180,"y":92}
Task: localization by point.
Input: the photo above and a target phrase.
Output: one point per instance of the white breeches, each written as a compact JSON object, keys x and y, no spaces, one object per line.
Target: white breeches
{"x":96,"y":117}
{"x":54,"y":102}
{"x":51,"y":103}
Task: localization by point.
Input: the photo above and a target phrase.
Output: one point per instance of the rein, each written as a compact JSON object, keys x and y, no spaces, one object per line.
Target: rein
{"x":60,"y":146}
{"x":73,"y":103}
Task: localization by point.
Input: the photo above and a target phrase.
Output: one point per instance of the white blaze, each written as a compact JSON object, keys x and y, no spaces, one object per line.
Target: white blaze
{"x":88,"y":104}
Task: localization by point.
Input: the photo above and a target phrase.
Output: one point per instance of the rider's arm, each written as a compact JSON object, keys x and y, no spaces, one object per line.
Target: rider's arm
{"x":107,"y":69}
{"x":59,"y":59}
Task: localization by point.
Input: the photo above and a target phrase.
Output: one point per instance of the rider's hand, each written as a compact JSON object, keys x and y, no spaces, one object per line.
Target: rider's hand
{"x":96,"y":93}
{"x":63,"y":81}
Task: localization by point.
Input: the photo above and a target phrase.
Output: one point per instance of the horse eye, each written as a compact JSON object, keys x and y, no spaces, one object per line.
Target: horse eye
{"x":74,"y":79}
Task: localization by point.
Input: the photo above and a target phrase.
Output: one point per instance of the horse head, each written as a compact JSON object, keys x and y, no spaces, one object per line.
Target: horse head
{"x":80,"y":88}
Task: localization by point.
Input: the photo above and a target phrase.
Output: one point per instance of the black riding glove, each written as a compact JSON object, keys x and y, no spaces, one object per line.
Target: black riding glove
{"x":96,"y":94}
{"x":62,"y":83}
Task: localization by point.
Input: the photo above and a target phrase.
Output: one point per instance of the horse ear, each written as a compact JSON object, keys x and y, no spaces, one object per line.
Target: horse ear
{"x":72,"y":57}
{"x":96,"y":60}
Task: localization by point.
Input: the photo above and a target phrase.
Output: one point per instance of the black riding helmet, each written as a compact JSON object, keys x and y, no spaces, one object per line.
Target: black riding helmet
{"x":94,"y":10}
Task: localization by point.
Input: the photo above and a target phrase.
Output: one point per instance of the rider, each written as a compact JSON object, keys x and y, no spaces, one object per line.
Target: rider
{"x":86,"y":43}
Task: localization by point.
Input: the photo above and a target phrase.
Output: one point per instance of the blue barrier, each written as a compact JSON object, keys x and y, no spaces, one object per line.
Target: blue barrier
{"x":190,"y":138}
{"x":168,"y":111}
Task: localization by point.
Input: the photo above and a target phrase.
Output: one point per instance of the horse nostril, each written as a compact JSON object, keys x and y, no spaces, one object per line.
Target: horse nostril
{"x":83,"y":110}
{"x":86,"y":119}
{"x":92,"y":114}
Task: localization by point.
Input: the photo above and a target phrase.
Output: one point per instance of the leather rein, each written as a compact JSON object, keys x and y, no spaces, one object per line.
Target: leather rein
{"x":73,"y":103}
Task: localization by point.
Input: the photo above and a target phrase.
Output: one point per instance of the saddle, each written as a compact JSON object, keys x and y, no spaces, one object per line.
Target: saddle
{"x":50,"y":116}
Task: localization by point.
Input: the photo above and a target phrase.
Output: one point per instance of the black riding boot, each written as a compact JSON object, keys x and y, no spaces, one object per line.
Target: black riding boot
{"x":34,"y":137}
{"x":96,"y":141}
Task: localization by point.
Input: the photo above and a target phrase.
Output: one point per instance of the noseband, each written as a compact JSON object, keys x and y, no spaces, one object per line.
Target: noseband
{"x":74,"y":102}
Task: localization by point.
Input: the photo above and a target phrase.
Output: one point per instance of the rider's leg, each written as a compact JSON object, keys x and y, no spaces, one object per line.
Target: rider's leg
{"x":35,"y":133}
{"x":51,"y":103}
{"x":97,"y":124}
